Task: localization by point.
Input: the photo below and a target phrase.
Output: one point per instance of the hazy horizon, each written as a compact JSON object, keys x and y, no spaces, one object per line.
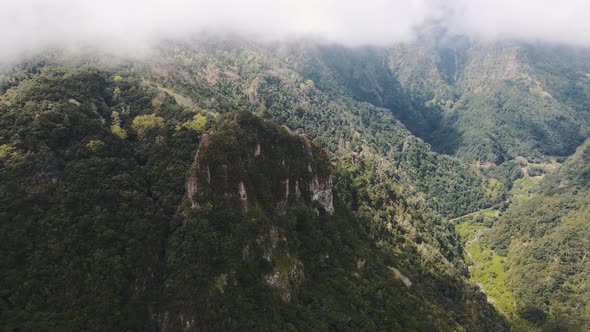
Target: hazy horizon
{"x":129,"y":26}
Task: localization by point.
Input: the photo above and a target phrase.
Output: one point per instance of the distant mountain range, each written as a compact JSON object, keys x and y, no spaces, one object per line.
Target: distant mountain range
{"x":228,"y":184}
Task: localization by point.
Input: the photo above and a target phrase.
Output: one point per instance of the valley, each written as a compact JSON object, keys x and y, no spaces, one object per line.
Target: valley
{"x":227,"y":184}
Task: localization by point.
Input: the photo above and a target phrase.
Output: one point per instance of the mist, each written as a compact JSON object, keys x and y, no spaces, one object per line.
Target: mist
{"x":133,"y":26}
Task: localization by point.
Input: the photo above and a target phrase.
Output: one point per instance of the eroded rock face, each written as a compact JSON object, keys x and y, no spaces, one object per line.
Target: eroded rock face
{"x":249,"y":163}
{"x":192,"y":184}
{"x":192,"y":187}
{"x":243,"y":196}
{"x":257,"y":151}
{"x":405,"y":280}
{"x":307,"y":146}
{"x":321,"y":192}
{"x":282,"y":280}
{"x":254,"y":173}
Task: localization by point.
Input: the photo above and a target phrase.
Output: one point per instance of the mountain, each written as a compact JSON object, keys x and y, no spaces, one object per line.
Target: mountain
{"x":124,"y":210}
{"x":233,"y":74}
{"x":499,"y":101}
{"x":226,"y":184}
{"x":481,"y":101}
{"x":545,"y":237}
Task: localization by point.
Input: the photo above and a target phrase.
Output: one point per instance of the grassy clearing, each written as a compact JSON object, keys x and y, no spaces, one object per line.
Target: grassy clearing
{"x":525,"y":188}
{"x":487,"y":268}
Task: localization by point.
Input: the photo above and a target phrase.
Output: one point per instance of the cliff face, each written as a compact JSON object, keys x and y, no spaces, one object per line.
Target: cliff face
{"x":262,"y":234}
{"x":246,"y":163}
{"x":247,"y":181}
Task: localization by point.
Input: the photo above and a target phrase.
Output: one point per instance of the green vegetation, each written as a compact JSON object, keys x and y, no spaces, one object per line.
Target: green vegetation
{"x":334,"y":120}
{"x":99,"y":233}
{"x":529,"y":260}
{"x":197,"y":123}
{"x":244,"y":186}
{"x":497,"y":101}
{"x":116,"y":126}
{"x":545,"y":235}
{"x":95,"y":145}
{"x":143,"y":123}
{"x":488,"y":269}
{"x":6,"y":151}
{"x":83,"y":212}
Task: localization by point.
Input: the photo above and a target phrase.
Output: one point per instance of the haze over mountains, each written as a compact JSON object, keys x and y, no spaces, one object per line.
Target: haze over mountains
{"x":126,"y":27}
{"x":294,"y":166}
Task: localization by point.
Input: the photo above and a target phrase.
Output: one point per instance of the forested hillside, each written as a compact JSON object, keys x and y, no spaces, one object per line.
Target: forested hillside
{"x":498,"y":100}
{"x":546,"y":239}
{"x":234,"y":74}
{"x":119,"y":212}
{"x":226,"y":184}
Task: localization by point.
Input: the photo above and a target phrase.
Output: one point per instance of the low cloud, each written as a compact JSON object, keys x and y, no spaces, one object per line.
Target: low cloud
{"x":128,"y":26}
{"x":554,"y":21}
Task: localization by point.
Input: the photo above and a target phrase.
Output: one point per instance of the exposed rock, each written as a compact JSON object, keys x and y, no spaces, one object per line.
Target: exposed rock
{"x":220,"y":282}
{"x":405,"y":280}
{"x":283,"y":203}
{"x":283,"y":280}
{"x":246,"y":253}
{"x":243,"y":196}
{"x":205,"y":141}
{"x":222,"y":169}
{"x":307,"y":146}
{"x":297,"y":190}
{"x":360,"y":263}
{"x":285,"y":183}
{"x":192,"y":184}
{"x":321,"y":192}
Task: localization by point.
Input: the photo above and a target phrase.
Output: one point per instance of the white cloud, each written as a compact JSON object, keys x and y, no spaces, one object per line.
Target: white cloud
{"x":128,"y":25}
{"x":558,"y":21}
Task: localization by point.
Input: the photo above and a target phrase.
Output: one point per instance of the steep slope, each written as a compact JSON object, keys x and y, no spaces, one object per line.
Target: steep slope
{"x":498,"y":100}
{"x":363,"y":74}
{"x":234,"y":74}
{"x":286,"y":243}
{"x":481,"y":101}
{"x":85,"y":199}
{"x":118,"y":213}
{"x":544,"y":236}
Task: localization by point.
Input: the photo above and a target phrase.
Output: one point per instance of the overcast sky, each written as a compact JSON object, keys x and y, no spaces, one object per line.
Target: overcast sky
{"x":125,"y":25}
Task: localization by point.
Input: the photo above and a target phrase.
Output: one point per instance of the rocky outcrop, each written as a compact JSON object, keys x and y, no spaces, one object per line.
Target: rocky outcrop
{"x":192,"y":184}
{"x":405,"y":280}
{"x":243,"y":196}
{"x":283,"y":280}
{"x":321,"y":192}
{"x":284,"y":202}
{"x":257,"y":151}
{"x":307,"y":146}
{"x":249,"y":163}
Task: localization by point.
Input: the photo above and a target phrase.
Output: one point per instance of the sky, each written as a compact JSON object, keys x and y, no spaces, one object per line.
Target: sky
{"x":127,"y":26}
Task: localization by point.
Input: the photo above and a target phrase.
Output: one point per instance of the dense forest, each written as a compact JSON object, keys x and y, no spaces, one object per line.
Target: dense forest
{"x":227,"y":185}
